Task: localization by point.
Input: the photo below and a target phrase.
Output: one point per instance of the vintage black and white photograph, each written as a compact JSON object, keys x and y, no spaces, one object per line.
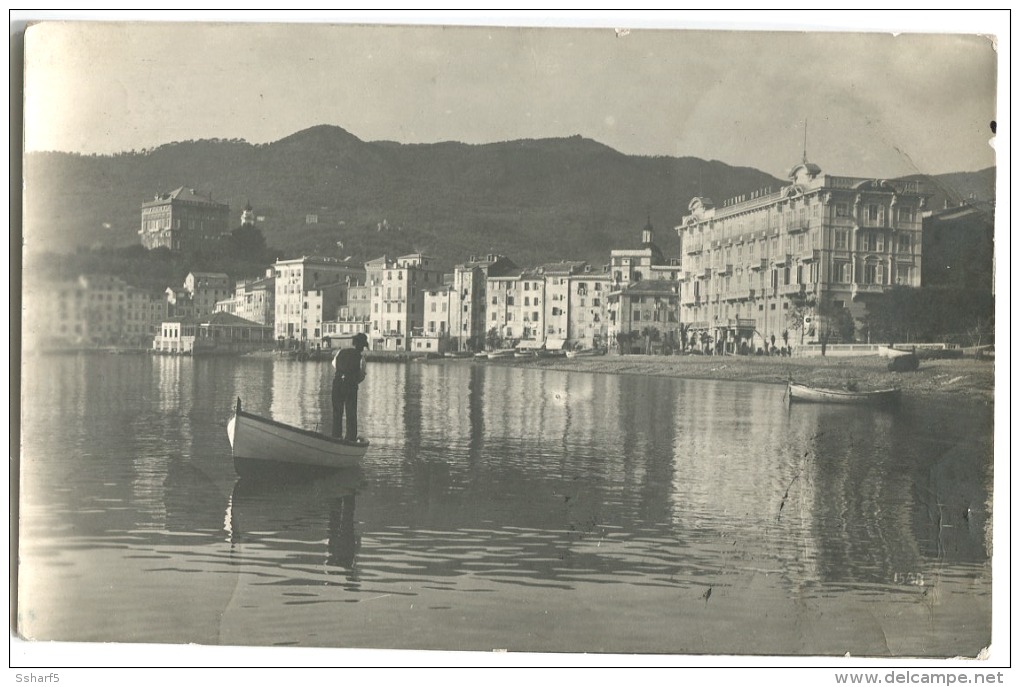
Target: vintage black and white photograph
{"x":647,"y":339}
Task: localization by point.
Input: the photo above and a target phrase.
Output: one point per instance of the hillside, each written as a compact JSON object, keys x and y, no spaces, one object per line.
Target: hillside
{"x":530,"y":199}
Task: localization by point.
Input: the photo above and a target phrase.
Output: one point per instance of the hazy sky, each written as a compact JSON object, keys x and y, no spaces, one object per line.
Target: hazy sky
{"x":876,"y":104}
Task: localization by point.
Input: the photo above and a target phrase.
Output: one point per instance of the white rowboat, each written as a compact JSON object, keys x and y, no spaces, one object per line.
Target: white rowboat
{"x":807,"y":394}
{"x":261,"y":444}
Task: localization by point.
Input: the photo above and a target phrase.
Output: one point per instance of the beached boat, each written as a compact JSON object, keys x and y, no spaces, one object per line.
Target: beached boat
{"x":584,"y":353}
{"x":260,"y":445}
{"x":808,"y":394}
{"x":497,"y":355}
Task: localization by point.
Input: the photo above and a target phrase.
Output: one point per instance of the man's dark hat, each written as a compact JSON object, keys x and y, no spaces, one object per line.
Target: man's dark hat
{"x":360,"y":339}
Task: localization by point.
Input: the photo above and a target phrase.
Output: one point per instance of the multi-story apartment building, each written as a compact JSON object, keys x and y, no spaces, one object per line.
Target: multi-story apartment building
{"x":205,"y":289}
{"x":434,"y":336}
{"x":644,"y":312}
{"x":467,"y":318}
{"x":516,"y":309}
{"x":398,"y":287}
{"x":198,"y":296}
{"x":556,"y":315}
{"x":773,"y":260}
{"x":587,"y":307}
{"x":183,"y":219}
{"x":297,"y":282}
{"x":321,"y":305}
{"x":253,"y":300}
{"x":354,"y":317}
{"x":89,"y":311}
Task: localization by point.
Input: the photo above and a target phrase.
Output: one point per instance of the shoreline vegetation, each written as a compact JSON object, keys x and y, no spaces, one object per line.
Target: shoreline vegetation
{"x":964,"y":378}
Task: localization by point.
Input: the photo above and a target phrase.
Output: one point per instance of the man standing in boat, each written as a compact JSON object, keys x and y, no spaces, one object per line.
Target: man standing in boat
{"x":349,"y":364}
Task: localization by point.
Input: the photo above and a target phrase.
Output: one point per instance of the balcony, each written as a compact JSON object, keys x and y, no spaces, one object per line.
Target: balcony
{"x":692,"y":247}
{"x":790,"y":289}
{"x":798,"y":226}
{"x":809,"y":255}
{"x":735,"y":294}
{"x":725,"y":269}
{"x":783,"y":260}
{"x":762,"y":264}
{"x":740,"y":322}
{"x":858,"y":289}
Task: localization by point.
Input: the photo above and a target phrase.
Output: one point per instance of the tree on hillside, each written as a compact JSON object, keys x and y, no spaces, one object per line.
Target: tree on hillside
{"x":247,"y":243}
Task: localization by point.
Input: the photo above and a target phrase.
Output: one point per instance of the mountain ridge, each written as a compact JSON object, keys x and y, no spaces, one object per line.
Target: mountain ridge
{"x":532,"y":199}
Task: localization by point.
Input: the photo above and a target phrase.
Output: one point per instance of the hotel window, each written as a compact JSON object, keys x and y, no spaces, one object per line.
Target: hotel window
{"x":906,"y":213}
{"x":841,"y":272}
{"x":872,"y":273}
{"x":902,"y":275}
{"x":527,"y":300}
{"x":842,"y":236}
{"x":904,"y":243}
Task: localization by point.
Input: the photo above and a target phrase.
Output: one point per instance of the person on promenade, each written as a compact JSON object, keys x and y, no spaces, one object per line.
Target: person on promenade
{"x":349,"y":364}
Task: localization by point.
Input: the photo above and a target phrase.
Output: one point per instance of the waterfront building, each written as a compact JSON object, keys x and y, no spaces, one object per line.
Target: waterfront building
{"x":434,"y":336}
{"x":398,"y":287}
{"x":794,"y":258}
{"x":644,"y":316}
{"x":253,"y":299}
{"x":470,"y":282}
{"x":516,"y":310}
{"x":643,"y":303}
{"x":220,"y":332}
{"x":92,"y":310}
{"x":587,"y":308}
{"x":557,"y":304}
{"x":183,"y":219}
{"x":352,"y":318}
{"x":301,"y":285}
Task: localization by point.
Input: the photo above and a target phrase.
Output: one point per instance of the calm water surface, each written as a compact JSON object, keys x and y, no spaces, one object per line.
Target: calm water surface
{"x":501,"y":508}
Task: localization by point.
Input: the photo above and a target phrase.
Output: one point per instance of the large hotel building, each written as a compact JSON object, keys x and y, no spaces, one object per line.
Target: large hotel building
{"x":772,"y":260}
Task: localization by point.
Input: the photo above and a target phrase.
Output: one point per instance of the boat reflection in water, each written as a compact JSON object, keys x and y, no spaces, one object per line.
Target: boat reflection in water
{"x":274,"y":524}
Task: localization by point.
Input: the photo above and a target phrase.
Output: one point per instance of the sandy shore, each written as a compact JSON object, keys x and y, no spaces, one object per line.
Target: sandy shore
{"x":963,"y":378}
